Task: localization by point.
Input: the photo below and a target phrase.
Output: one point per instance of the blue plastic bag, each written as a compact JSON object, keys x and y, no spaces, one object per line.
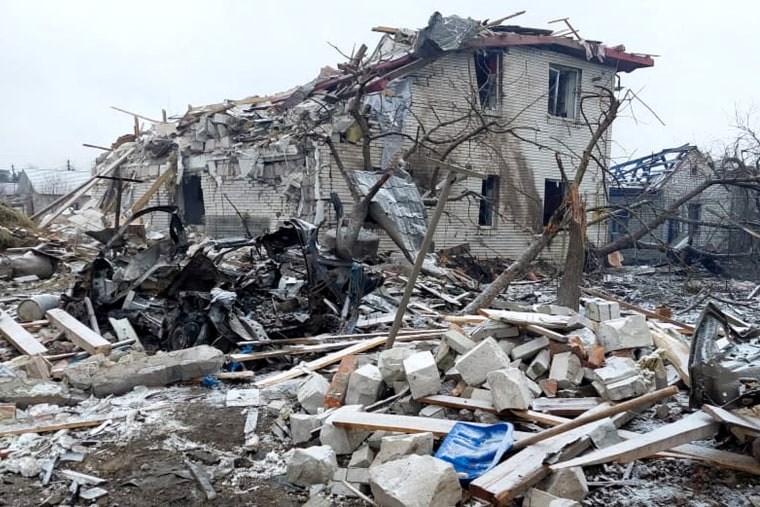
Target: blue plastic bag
{"x":474,"y":449}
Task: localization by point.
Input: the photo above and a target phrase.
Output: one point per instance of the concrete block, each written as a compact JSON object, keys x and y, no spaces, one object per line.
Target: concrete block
{"x":445,"y":356}
{"x":507,"y":345}
{"x":624,"y":333}
{"x":364,"y":385}
{"x":551,"y":309}
{"x":566,"y":483}
{"x":301,"y":426}
{"x":604,"y":434}
{"x":376,"y":438}
{"x":487,"y":356}
{"x":494,"y":329}
{"x":415,"y":481}
{"x":458,"y":342}
{"x":138,"y":369}
{"x":313,"y":465}
{"x":602,"y":310}
{"x":362,"y":457}
{"x":537,"y":498}
{"x":311,"y":393}
{"x":358,"y":475}
{"x":510,"y":389}
{"x":566,"y":370}
{"x":481,"y":394}
{"x":531,"y":348}
{"x":422,"y":374}
{"x":318,"y":500}
{"x":406,"y":406}
{"x":535,"y":389}
{"x":433,"y":412}
{"x":539,"y":365}
{"x":620,"y":379}
{"x":398,"y":446}
{"x":391,"y":364}
{"x":23,"y":392}
{"x":342,"y":441}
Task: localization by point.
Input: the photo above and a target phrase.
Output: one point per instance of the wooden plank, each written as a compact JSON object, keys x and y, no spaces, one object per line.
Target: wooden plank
{"x":465,"y":319}
{"x":693,"y":427}
{"x":19,"y":337}
{"x":524,"y":469}
{"x":732,"y":418}
{"x":558,"y":337}
{"x":320,"y":363}
{"x":595,"y":415}
{"x":629,"y":306}
{"x":730,"y":460}
{"x":78,"y":333}
{"x":676,"y":351}
{"x":565,"y":406}
{"x":333,"y":358}
{"x":51,"y":427}
{"x":145,"y":198}
{"x":316,"y":340}
{"x":352,"y":419}
{"x":528,"y":318}
{"x":459,"y":403}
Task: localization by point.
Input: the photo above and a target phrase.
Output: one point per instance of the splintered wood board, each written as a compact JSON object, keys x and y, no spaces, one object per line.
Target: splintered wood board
{"x":514,"y":476}
{"x":733,"y":419}
{"x":693,"y":427}
{"x":19,"y":337}
{"x":399,"y":423}
{"x":78,"y":333}
{"x":529,"y":318}
{"x":676,"y":351}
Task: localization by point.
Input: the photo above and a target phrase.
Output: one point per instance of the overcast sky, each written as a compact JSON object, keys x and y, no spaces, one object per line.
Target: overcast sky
{"x":63,"y":63}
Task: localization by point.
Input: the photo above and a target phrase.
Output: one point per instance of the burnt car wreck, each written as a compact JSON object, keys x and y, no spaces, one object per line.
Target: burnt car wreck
{"x":177,"y":294}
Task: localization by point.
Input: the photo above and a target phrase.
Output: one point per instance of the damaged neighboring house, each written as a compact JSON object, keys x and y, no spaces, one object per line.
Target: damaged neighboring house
{"x":37,"y":188}
{"x":243,"y":167}
{"x":709,"y":225}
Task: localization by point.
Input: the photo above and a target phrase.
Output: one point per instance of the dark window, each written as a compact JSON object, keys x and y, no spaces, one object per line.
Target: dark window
{"x":674,"y":230}
{"x":619,"y":224}
{"x":193,"y":208}
{"x":554,"y":194}
{"x":564,"y":84}
{"x":693,"y":170}
{"x":695,"y":213}
{"x":489,"y":202}
{"x":488,"y":75}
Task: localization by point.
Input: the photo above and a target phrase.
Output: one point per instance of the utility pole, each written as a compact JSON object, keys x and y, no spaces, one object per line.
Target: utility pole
{"x":68,"y":165}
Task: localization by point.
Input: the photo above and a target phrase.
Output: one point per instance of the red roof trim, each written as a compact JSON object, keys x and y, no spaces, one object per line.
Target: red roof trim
{"x":622,"y":61}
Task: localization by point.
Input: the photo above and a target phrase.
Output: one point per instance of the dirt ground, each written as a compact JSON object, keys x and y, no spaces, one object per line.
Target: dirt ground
{"x":151,"y":470}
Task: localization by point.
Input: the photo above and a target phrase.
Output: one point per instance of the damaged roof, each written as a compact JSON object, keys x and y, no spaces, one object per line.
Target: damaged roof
{"x":649,"y":173}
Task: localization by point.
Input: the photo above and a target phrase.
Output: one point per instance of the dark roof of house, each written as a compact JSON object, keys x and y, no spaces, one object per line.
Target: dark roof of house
{"x":650,"y":172}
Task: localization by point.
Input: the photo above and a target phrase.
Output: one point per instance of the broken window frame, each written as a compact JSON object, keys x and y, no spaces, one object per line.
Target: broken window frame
{"x":549,"y":210}
{"x":489,"y":202}
{"x":488,"y":64}
{"x":564,"y":92}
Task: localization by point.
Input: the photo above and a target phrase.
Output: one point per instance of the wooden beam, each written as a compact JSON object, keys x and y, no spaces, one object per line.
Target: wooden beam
{"x":67,"y":200}
{"x":81,"y":335}
{"x":145,"y":198}
{"x":514,"y":476}
{"x":693,"y":427}
{"x":320,"y":363}
{"x":136,"y":115}
{"x":19,"y":337}
{"x":371,"y":421}
{"x":528,"y":318}
{"x":732,"y":418}
{"x":676,"y":351}
{"x":54,"y":426}
{"x":595,"y":415}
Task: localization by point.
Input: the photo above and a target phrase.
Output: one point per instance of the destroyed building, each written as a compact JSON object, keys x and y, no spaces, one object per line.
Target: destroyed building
{"x":486,"y":99}
{"x":713,"y":223}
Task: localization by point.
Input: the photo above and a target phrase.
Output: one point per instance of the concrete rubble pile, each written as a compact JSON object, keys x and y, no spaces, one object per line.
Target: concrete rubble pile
{"x":367,"y":424}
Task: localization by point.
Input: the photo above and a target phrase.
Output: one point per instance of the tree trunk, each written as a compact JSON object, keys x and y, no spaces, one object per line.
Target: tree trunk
{"x":569,"y":292}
